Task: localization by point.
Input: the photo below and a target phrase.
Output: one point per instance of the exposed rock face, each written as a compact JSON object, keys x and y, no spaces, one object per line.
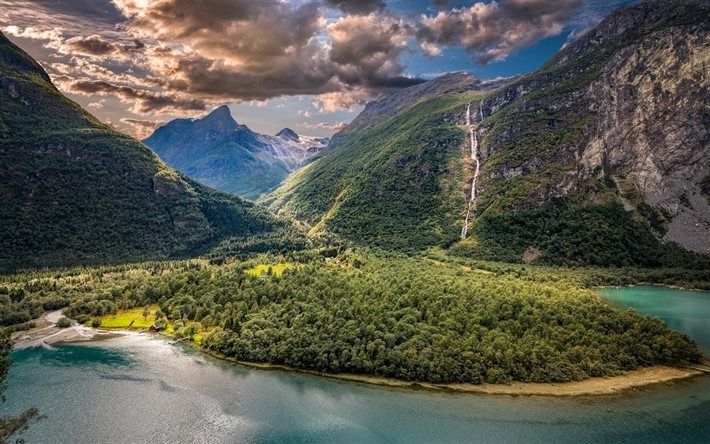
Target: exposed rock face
{"x":618,"y":117}
{"x":652,"y":105}
{"x":629,"y":102}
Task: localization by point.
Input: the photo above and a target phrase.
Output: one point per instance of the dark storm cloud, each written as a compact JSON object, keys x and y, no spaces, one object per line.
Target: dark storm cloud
{"x":145,"y":101}
{"x":366,"y":50}
{"x":95,"y":45}
{"x":231,"y":56}
{"x":356,"y":6}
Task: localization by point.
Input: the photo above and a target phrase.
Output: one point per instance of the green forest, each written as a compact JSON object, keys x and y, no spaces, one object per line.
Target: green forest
{"x":421,"y":319}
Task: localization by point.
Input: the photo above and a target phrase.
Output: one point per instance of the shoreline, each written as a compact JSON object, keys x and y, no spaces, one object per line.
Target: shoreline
{"x":648,"y":284}
{"x":48,"y":334}
{"x":595,"y":386}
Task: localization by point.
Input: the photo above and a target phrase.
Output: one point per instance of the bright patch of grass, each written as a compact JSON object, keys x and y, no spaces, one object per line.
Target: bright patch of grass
{"x":132,"y":318}
{"x":276,"y":269}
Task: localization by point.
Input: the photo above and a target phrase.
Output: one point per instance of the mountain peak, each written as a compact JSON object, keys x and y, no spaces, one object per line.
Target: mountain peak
{"x":288,"y":133}
{"x":221,"y":113}
{"x":219,"y":120}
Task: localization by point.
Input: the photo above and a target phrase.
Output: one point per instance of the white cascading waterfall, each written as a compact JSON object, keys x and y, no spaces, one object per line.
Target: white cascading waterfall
{"x":474,"y":156}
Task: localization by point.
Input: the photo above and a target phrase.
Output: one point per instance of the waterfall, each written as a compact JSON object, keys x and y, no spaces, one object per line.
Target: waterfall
{"x":474,"y":156}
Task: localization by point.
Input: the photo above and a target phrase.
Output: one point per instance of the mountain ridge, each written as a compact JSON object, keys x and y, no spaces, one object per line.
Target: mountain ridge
{"x":77,"y":192}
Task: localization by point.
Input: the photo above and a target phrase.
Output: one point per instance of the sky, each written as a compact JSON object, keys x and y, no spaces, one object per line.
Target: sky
{"x":309,"y":65}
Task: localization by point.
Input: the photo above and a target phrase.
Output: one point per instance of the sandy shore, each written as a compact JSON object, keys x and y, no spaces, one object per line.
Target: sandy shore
{"x":589,"y":387}
{"x":46,"y":332}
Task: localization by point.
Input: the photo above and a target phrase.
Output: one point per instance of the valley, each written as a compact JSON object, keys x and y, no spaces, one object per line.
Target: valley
{"x":522,"y":259}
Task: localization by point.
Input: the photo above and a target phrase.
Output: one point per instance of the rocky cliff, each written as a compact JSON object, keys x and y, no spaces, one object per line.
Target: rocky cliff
{"x":620,"y":115}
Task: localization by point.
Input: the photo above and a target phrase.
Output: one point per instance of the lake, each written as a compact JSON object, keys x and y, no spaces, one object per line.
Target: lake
{"x":683,"y":310}
{"x":138,"y":388}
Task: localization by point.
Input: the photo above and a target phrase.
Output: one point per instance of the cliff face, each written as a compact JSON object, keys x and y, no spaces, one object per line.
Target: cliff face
{"x":620,"y":115}
{"x":651,"y":101}
{"x":378,"y":111}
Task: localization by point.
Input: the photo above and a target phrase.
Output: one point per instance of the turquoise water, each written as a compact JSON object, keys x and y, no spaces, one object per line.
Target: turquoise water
{"x":685,"y":311}
{"x":139,"y":389}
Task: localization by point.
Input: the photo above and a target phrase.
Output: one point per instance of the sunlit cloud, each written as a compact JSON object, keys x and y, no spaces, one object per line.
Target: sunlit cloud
{"x":492,"y":31}
{"x":181,"y":57}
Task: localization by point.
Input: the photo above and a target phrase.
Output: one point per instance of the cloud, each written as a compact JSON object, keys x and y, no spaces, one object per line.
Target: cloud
{"x":356,"y":6}
{"x":221,"y":49}
{"x":235,"y":30}
{"x":144,"y":101}
{"x":141,"y":129}
{"x":218,"y":49}
{"x":96,"y":46}
{"x":164,"y":56}
{"x":347,"y":100}
{"x":492,"y":31}
{"x":33,"y":32}
{"x":119,"y":74}
{"x":70,"y":17}
{"x":337,"y":126}
{"x":366,"y":50}
{"x":97,"y":105}
{"x":92,"y":45}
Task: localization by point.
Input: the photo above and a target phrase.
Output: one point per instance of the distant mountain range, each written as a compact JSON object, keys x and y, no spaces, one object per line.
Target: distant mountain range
{"x":601,"y":157}
{"x":74,"y":191}
{"x":225,"y":155}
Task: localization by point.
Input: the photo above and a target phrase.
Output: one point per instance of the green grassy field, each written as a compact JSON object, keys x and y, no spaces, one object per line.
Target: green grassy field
{"x":132,"y":318}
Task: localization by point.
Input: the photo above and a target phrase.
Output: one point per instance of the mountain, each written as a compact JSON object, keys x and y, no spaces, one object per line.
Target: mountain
{"x":77,"y":192}
{"x":225,"y":155}
{"x":600,"y":157}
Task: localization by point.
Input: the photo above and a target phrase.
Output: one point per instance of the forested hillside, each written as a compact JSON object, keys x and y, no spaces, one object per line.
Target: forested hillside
{"x":600,"y":157}
{"x":75,"y":191}
{"x":397,"y":185}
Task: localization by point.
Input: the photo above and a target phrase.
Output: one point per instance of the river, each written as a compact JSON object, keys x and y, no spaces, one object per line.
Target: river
{"x":138,"y":388}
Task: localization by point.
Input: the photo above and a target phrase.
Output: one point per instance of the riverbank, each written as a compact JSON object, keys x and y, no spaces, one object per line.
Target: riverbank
{"x":46,"y":332}
{"x":596,"y":386}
